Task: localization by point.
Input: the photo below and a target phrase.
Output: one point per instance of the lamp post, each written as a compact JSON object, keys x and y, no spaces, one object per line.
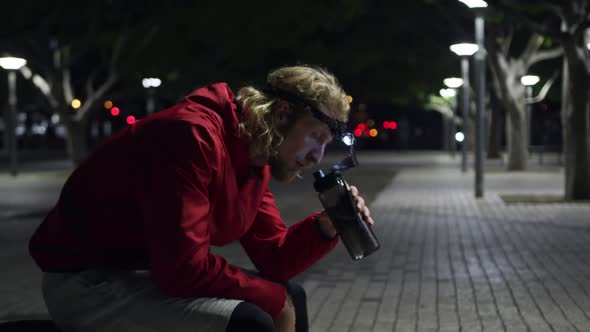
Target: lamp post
{"x":464,"y":50}
{"x":480,"y":78}
{"x":529,"y":81}
{"x":12,"y":65}
{"x":151,"y":84}
{"x":449,"y":95}
{"x":453,"y":83}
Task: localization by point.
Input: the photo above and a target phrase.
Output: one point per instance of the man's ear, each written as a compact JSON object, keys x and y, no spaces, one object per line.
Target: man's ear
{"x":281,"y":112}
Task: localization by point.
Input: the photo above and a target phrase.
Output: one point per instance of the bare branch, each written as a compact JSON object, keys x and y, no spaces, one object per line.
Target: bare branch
{"x":505,"y":47}
{"x":145,"y":41}
{"x":67,"y":85}
{"x":89,"y":86}
{"x":557,"y":10}
{"x":580,"y":29}
{"x":84,"y":111}
{"x":545,"y":55}
{"x":117,"y":50}
{"x":41,"y":83}
{"x":532,"y":46}
{"x":508,"y":8}
{"x":544,"y":90}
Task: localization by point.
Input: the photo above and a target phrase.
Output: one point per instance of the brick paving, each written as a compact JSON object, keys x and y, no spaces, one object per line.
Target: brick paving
{"x":448,"y":262}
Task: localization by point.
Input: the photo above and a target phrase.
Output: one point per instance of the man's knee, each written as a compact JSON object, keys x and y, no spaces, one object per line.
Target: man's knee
{"x":248,"y":317}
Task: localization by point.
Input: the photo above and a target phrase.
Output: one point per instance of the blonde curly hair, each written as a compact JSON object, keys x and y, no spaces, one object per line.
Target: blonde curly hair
{"x":315,"y":85}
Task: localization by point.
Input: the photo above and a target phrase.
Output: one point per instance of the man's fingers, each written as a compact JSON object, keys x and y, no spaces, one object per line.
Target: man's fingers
{"x":354,"y":190}
{"x":360,"y":202}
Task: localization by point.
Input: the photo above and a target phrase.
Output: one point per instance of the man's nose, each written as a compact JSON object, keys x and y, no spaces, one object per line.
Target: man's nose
{"x":315,"y":156}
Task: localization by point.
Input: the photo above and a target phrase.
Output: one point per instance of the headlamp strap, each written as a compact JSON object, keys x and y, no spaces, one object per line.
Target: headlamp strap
{"x":336,"y":126}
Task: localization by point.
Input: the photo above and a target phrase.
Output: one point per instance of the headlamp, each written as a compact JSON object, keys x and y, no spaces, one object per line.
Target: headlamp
{"x":337,"y":127}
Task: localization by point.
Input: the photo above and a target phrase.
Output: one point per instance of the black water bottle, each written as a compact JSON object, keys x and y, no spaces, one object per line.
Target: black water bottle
{"x":334,"y":193}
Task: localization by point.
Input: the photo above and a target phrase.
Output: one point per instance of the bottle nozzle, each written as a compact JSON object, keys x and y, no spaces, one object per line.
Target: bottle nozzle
{"x":318,"y":174}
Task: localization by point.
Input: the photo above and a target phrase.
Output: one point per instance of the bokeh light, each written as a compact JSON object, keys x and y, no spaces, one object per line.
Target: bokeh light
{"x":459,"y":137}
{"x":76,"y":103}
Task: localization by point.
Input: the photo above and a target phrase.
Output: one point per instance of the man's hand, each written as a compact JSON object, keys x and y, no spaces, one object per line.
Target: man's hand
{"x":285,"y":321}
{"x":326,"y":224}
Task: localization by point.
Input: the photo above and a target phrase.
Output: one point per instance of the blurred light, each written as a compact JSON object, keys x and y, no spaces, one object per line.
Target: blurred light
{"x":348,"y":139}
{"x":107,"y":128}
{"x":60,"y":131}
{"x":362,"y":126}
{"x":39,"y":129}
{"x":370,"y":123}
{"x":130,"y":119}
{"x":459,"y":137}
{"x":373,"y":132}
{"x":453,"y":82}
{"x":530,"y":80}
{"x":20,"y":130}
{"x":21,"y":117}
{"x":151,"y":82}
{"x":108,"y":104}
{"x":349,"y":99}
{"x":358,"y":132}
{"x":55,"y":119}
{"x":448,"y":93}
{"x":393,"y":125}
{"x":588,"y":46}
{"x":475,"y":3}
{"x":115,"y":111}
{"x":385,"y":124}
{"x":11,"y":63}
{"x":464,"y":49}
{"x":76,"y":103}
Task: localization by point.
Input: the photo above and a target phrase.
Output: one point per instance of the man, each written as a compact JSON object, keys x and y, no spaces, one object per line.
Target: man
{"x":126,"y":248}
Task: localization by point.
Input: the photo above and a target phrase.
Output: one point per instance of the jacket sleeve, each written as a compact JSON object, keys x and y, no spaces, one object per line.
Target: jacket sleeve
{"x":175,"y":206}
{"x":281,"y":254}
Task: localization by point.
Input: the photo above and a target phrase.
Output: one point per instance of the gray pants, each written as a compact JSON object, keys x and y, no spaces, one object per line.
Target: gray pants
{"x":127,"y":301}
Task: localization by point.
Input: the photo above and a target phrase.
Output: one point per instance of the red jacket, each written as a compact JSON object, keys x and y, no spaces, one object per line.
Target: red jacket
{"x":158,"y":193}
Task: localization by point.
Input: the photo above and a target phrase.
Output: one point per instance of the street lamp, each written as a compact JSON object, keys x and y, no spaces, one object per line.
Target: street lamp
{"x":12,"y":64}
{"x":448,"y":93}
{"x":480,"y":78}
{"x":448,"y":121}
{"x":475,"y":3}
{"x":464,"y":50}
{"x":529,"y":81}
{"x":151,"y":84}
{"x":452,"y":83}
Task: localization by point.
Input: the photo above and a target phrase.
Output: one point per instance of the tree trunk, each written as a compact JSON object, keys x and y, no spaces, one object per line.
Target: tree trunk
{"x":517,"y":139}
{"x":77,"y":147}
{"x":495,"y":128}
{"x":577,"y":152}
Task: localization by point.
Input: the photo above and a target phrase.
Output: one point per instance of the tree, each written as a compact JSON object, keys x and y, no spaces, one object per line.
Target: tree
{"x":507,"y":69}
{"x":567,"y":21}
{"x":84,"y":62}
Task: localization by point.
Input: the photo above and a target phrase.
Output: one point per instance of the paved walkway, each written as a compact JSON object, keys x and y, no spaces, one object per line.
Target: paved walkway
{"x":448,"y":262}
